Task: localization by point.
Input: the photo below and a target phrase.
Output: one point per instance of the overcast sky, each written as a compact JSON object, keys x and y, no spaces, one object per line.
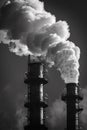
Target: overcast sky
{"x":12,"y":67}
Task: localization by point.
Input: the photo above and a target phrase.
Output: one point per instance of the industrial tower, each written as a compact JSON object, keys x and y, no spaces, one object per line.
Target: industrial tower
{"x":36,"y":99}
{"x":72,"y":99}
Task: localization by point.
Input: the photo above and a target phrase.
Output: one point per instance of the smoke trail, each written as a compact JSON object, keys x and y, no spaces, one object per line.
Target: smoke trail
{"x":28,"y":29}
{"x":57,"y":113}
{"x":21,"y":118}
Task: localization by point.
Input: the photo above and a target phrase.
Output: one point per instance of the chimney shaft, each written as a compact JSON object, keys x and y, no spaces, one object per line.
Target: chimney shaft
{"x":72,"y":99}
{"x":35,"y":99}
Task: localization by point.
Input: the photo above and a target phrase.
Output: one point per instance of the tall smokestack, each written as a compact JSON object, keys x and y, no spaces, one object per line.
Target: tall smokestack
{"x":72,"y":99}
{"x":35,"y":98}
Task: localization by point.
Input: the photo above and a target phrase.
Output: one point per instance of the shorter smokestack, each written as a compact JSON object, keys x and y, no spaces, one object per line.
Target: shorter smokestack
{"x":72,"y":99}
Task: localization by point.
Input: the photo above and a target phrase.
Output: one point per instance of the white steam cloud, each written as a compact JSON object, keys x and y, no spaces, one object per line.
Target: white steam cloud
{"x":65,"y":56}
{"x":28,"y":29}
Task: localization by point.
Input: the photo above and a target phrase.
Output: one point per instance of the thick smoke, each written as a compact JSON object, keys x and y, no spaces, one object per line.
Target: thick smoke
{"x":65,"y":56}
{"x":28,"y":29}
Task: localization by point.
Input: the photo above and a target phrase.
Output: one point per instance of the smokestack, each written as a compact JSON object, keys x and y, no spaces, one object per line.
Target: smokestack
{"x":35,"y":103}
{"x":72,"y":99}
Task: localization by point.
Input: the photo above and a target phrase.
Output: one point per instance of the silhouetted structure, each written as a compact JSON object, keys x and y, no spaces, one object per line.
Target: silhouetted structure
{"x":35,"y":103}
{"x":72,"y":99}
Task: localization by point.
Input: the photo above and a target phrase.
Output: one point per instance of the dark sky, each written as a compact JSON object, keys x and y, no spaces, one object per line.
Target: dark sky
{"x":12,"y":67}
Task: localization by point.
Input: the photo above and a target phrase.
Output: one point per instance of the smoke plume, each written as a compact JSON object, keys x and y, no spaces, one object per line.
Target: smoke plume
{"x":65,"y":56}
{"x":28,"y":29}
